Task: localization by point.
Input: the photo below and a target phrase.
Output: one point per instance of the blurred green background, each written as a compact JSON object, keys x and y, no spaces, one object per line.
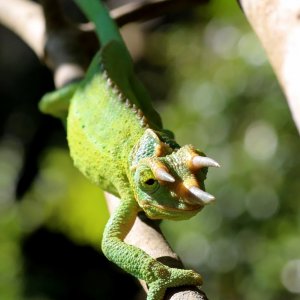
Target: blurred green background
{"x":214,"y":88}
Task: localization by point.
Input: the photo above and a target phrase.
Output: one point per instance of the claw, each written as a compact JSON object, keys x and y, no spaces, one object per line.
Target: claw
{"x":202,"y":161}
{"x":163,"y":175}
{"x":201,"y":195}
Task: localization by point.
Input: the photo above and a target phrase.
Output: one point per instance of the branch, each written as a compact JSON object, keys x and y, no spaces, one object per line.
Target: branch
{"x":25,"y":19}
{"x":63,"y":47}
{"x":58,"y":44}
{"x":146,"y":235}
{"x":63,"y":52}
{"x":277,"y":24}
{"x":150,"y":9}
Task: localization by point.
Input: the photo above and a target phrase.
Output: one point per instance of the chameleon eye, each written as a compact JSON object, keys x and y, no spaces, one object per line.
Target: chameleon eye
{"x":150,"y":181}
{"x":146,"y":180}
{"x":150,"y":185}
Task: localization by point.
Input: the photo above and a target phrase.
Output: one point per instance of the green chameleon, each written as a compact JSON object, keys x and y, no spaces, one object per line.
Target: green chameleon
{"x":116,"y":140}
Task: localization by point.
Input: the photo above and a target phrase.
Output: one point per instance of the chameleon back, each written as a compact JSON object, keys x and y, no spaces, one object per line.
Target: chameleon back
{"x":101,"y":116}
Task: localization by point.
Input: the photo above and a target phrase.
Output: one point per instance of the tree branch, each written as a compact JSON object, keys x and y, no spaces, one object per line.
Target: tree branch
{"x":25,"y":19}
{"x":150,"y":9}
{"x":63,"y":52}
{"x":277,"y":24}
{"x":146,"y":235}
{"x":63,"y":47}
{"x":58,"y":44}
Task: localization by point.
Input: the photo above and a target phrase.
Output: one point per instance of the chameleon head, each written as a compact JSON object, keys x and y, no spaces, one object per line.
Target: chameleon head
{"x":170,"y":185}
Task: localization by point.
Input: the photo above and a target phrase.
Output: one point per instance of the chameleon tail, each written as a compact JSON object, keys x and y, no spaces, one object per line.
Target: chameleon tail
{"x":106,"y":29}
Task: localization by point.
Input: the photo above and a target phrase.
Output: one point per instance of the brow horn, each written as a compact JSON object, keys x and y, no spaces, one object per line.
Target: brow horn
{"x":203,"y":161}
{"x":163,"y":175}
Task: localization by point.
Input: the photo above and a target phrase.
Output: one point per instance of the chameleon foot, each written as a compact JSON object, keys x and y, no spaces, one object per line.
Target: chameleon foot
{"x":176,"y":277}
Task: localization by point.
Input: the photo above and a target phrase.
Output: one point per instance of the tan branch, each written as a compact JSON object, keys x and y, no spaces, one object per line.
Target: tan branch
{"x":57,"y":46}
{"x":147,"y":236}
{"x":25,"y":19}
{"x":277,"y":24}
{"x":63,"y":52}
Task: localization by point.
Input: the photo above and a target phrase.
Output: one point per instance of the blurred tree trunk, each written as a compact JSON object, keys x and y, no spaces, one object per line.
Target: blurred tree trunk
{"x":277,"y":24}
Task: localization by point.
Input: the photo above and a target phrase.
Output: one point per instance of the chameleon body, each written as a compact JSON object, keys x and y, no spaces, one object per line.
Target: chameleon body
{"x":116,"y":139}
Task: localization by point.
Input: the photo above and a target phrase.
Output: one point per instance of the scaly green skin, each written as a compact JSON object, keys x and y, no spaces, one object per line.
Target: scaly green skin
{"x":116,"y":140}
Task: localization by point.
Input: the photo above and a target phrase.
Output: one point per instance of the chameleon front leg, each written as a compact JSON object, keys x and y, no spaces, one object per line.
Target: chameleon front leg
{"x":135,"y":261}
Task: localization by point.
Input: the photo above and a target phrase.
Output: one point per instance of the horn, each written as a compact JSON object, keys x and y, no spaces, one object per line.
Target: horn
{"x":203,"y":161}
{"x":201,"y":195}
{"x":163,"y":175}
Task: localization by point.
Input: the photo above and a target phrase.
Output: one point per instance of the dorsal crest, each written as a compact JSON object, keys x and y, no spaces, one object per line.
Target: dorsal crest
{"x":115,"y":67}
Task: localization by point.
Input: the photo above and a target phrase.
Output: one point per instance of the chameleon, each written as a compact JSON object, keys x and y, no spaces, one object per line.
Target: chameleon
{"x":117,"y":140}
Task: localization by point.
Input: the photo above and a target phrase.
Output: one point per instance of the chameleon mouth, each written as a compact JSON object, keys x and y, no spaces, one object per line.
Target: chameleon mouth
{"x":156,"y":211}
{"x":187,"y":208}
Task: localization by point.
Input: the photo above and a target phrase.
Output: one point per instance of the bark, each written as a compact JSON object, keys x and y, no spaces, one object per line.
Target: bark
{"x":277,"y":25}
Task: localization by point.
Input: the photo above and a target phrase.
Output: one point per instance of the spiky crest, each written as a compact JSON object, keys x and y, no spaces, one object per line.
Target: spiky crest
{"x":118,"y":81}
